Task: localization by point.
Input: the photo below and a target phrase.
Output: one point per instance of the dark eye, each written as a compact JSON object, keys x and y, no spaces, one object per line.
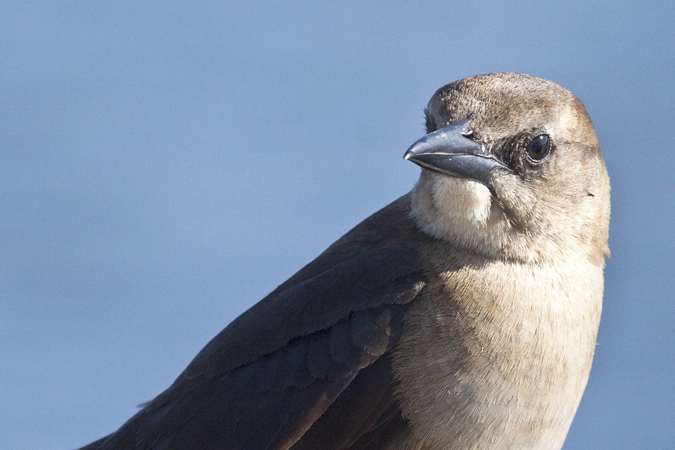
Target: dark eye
{"x":539,"y":147}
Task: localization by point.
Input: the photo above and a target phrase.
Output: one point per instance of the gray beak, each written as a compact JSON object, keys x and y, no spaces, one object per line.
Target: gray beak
{"x":449,"y":151}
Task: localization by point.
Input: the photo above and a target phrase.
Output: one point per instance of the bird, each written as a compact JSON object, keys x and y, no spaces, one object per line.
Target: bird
{"x":463,"y":315}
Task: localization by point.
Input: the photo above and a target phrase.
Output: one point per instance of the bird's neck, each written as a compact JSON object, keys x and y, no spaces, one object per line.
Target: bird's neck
{"x":465,"y":214}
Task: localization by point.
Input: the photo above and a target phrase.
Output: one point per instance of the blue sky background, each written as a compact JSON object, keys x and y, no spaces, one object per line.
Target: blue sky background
{"x":164,"y":165}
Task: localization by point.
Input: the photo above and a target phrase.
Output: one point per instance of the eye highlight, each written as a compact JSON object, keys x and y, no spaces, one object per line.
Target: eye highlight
{"x":539,"y":147}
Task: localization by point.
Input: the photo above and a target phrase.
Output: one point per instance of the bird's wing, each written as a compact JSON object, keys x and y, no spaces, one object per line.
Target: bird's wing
{"x":310,"y":355}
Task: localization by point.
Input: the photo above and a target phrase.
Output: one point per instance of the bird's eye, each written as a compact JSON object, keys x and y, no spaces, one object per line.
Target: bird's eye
{"x":539,"y":147}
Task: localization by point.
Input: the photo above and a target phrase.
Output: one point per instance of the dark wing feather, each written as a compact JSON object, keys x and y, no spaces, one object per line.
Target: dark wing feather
{"x":361,"y":416}
{"x":307,"y":365}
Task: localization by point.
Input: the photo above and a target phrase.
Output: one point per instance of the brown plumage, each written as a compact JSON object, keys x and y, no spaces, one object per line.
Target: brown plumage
{"x":461,"y":316}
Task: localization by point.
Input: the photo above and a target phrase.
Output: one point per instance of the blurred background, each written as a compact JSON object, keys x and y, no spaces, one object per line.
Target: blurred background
{"x":164,"y":165}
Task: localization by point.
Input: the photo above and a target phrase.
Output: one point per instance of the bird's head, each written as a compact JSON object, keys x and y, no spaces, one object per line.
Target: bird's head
{"x":512,"y":169}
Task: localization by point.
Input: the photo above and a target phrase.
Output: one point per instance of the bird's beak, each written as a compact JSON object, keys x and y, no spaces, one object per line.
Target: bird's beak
{"x":449,"y":151}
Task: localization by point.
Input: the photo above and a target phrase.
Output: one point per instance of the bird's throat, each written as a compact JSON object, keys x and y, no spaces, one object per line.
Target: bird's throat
{"x":458,"y":210}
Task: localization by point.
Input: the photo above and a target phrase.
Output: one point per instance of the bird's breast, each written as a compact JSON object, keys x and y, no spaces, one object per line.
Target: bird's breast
{"x":497,"y":355}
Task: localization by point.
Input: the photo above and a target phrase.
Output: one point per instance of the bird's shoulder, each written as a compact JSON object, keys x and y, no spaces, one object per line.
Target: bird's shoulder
{"x":377,"y":262}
